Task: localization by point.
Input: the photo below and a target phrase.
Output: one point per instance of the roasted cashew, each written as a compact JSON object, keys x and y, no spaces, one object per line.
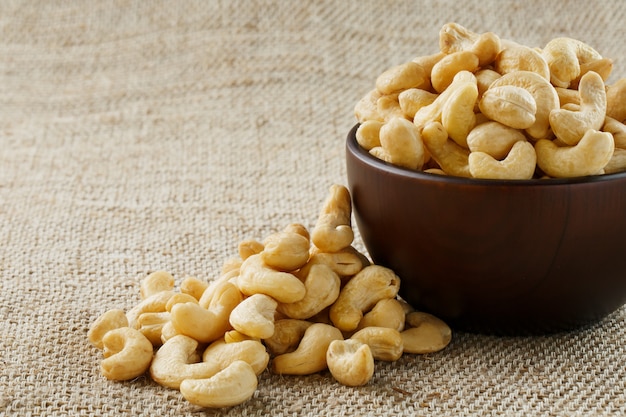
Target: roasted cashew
{"x":427,"y":334}
{"x":109,"y":320}
{"x":592,"y":153}
{"x":350,"y":362}
{"x":368,"y":134}
{"x":127,"y":354}
{"x":258,"y":278}
{"x":287,"y":335}
{"x":457,"y":115}
{"x":388,"y":312}
{"x":333,"y":229}
{"x":454,"y":37}
{"x":401,"y":77}
{"x":484,"y":78}
{"x":519,"y":164}
{"x":361,"y":293}
{"x":286,"y":250}
{"x":564,"y":57}
{"x":617,"y":129}
{"x":367,"y":108}
{"x":521,"y":58}
{"x":452,"y":158}
{"x":616,"y":100}
{"x":156,"y":282}
{"x":155,"y":303}
{"x":617,"y":163}
{"x":443,"y":72}
{"x":385,"y":343}
{"x":345,"y":263}
{"x":310,"y":356}
{"x":510,"y":105}
{"x":232,"y":386}
{"x":493,"y":138}
{"x":389,"y":107}
{"x":411,"y":101}
{"x":222,"y":354}
{"x":403,"y":143}
{"x":570,"y":126}
{"x":254,"y":316}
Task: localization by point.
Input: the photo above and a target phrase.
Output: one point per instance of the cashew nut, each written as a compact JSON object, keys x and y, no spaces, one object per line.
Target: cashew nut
{"x":617,"y":129}
{"x":249,"y":247}
{"x":287,"y":335}
{"x":310,"y":356}
{"x":385,"y":343}
{"x":616,"y":100}
{"x":454,"y":37}
{"x":223,"y":354}
{"x":151,"y":326}
{"x":617,"y":163}
{"x":258,"y":278}
{"x":401,"y":77}
{"x":350,"y":362}
{"x":403,"y":143}
{"x":368,"y":134}
{"x":155,"y":303}
{"x":603,"y":67}
{"x":411,"y":101}
{"x":443,"y":72}
{"x":367,"y":108}
{"x":389,"y":107}
{"x":285,"y":251}
{"x":109,"y":320}
{"x":127,"y":353}
{"x":484,"y":78}
{"x":345,"y":263}
{"x":519,"y":164}
{"x":427,"y":334}
{"x":193,"y":286}
{"x":570,"y":126}
{"x":372,"y":284}
{"x":564,"y":56}
{"x":493,"y":138}
{"x":254,"y":316}
{"x":388,"y":312}
{"x":333,"y":230}
{"x":521,"y":58}
{"x":510,"y":105}
{"x":457,"y":115}
{"x":232,"y":386}
{"x":156,"y":282}
{"x":588,"y":157}
{"x":452,"y":158}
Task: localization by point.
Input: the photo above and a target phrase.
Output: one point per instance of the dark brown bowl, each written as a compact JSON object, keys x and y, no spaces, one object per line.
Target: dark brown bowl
{"x":495,"y":256}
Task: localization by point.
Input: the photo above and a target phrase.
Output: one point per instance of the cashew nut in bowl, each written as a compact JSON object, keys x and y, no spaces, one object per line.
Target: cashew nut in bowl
{"x":617,"y":163}
{"x":109,"y":320}
{"x":333,"y":230}
{"x":617,"y":129}
{"x":232,"y":386}
{"x":452,"y":158}
{"x":127,"y":353}
{"x":588,"y":157}
{"x":602,"y":67}
{"x":366,"y":108}
{"x":454,"y":37}
{"x":570,"y":126}
{"x":411,"y":101}
{"x":350,"y":362}
{"x":493,"y":138}
{"x":521,"y":58}
{"x":401,"y":77}
{"x":443,"y":72}
{"x":368,"y":134}
{"x":457,"y":115}
{"x":401,"y":140}
{"x":510,"y":105}
{"x":616,"y":100}
{"x":564,"y":56}
{"x":519,"y":164}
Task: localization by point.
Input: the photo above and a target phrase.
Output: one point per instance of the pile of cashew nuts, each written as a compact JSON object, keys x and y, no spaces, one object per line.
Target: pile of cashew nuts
{"x":486,"y":107}
{"x":295,"y":304}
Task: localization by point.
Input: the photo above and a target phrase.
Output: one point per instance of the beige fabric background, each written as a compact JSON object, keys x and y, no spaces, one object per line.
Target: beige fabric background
{"x":145,"y":135}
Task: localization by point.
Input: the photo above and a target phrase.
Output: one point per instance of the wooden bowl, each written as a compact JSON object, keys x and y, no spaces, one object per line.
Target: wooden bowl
{"x":495,"y":256}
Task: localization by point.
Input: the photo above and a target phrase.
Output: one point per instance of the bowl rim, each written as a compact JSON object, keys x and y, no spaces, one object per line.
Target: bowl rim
{"x":364,"y":156}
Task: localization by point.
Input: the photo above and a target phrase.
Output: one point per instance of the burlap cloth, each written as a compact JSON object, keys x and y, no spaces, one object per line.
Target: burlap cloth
{"x":143,"y":135}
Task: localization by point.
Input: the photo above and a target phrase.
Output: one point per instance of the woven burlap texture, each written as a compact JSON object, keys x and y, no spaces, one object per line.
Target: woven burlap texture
{"x":154,"y":135}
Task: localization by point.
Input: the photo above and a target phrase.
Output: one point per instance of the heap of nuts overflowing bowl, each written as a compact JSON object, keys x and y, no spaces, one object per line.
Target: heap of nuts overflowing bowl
{"x":296,"y":303}
{"x":486,"y":107}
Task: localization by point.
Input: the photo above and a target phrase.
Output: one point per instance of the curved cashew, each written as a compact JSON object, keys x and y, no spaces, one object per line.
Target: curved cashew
{"x":385,"y":343}
{"x":254,"y":316}
{"x":310,"y":356}
{"x":617,"y":129}
{"x":109,"y":320}
{"x":493,"y":138}
{"x":178,"y":360}
{"x":229,"y":387}
{"x":452,"y":158}
{"x":361,"y":293}
{"x":368,"y":134}
{"x":350,"y":362}
{"x":249,"y":247}
{"x":443,"y":72}
{"x":484,"y":78}
{"x":411,"y":101}
{"x":156,"y":282}
{"x":367,"y":108}
{"x":588,"y":157}
{"x":510,"y":105}
{"x":403,"y":143}
{"x":155,"y":303}
{"x":428,"y":61}
{"x":179,"y":298}
{"x":223,"y":354}
{"x":519,"y":164}
{"x":322,"y":289}
{"x":127,"y":354}
{"x":454,"y":37}
{"x":603,"y":67}
{"x":616,"y":99}
{"x":427,"y":333}
{"x":151,"y":326}
{"x":569,"y":126}
{"x":345,"y":263}
{"x":457,"y":115}
{"x":567,"y":96}
{"x":542,"y":91}
{"x":617,"y":163}
{"x":389,"y":107}
{"x":168,"y":331}
{"x":401,"y":77}
{"x":521,"y":58}
{"x":287,"y":335}
{"x":333,"y":229}
{"x":193,"y":286}
{"x":388,"y":312}
{"x":285,"y":251}
{"x":564,"y":56}
{"x":258,"y":278}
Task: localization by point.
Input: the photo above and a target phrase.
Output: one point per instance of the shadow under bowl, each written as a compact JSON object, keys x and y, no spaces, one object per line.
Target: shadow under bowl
{"x":495,"y":256}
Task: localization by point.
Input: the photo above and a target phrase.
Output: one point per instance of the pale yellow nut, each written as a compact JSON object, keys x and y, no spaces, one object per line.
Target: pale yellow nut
{"x":350,"y":362}
{"x":193,"y":286}
{"x":521,"y":58}
{"x":617,"y":163}
{"x":151,"y":326}
{"x":285,"y":250}
{"x":389,"y":107}
{"x":570,"y":126}
{"x":402,"y":141}
{"x":322,"y":289}
{"x":231,"y":265}
{"x":372,"y":284}
{"x":567,"y":96}
{"x":412,"y":100}
{"x":381,"y":153}
{"x":457,"y":115}
{"x":258,"y":278}
{"x":310,"y":355}
{"x":616,"y":100}
{"x":452,"y":158}
{"x":589,"y":157}
{"x":603,"y":67}
{"x":368,"y":134}
{"x":401,"y":77}
{"x":385,"y":343}
{"x":388,"y":312}
{"x":444,"y":71}
{"x":168,"y":331}
{"x":519,"y":164}
{"x":249,"y":247}
{"x":222,"y":354}
{"x":155,"y":303}
{"x":216,"y":286}
{"x":287,"y":335}
{"x":510,"y":105}
{"x":493,"y":138}
{"x":107,"y":321}
{"x":366,"y":108}
{"x":345,"y":263}
{"x":178,"y":298}
{"x":127,"y":352}
{"x":617,"y":129}
{"x":484,"y":78}
{"x":233,"y":336}
{"x":428,"y":62}
{"x":177,"y":360}
{"x":232,"y":386}
{"x":564,"y":56}
{"x":427,"y":334}
{"x":333,"y":229}
{"x":254,"y":316}
{"x":454,"y":37}
{"x":156,"y":282}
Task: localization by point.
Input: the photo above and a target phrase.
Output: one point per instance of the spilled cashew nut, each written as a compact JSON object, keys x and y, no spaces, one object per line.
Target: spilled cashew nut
{"x":155,"y":303}
{"x":222,"y":354}
{"x":287,"y":335}
{"x":256,"y":277}
{"x":350,"y":362}
{"x":107,"y":321}
{"x":193,"y":286}
{"x":519,"y":164}
{"x":285,"y":250}
{"x":127,"y":353}
{"x":254,"y":316}
{"x":156,"y":282}
{"x":151,"y":326}
{"x":385,"y":343}
{"x":333,"y":230}
{"x":388,"y":312}
{"x":427,"y":334}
